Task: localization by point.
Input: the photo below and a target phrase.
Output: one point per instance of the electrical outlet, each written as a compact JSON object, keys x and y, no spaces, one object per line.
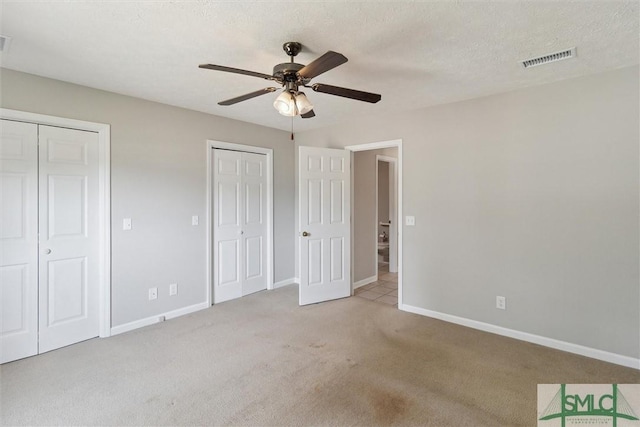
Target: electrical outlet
{"x":173,"y":289}
{"x":153,"y":293}
{"x":195,"y":220}
{"x":410,"y":220}
{"x":126,"y":224}
{"x":501,"y":303}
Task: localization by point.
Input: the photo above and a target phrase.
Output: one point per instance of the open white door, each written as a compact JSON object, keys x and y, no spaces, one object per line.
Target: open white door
{"x":325,"y":221}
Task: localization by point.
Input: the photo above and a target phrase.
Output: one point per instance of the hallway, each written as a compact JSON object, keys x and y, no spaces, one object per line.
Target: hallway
{"x":384,"y":291}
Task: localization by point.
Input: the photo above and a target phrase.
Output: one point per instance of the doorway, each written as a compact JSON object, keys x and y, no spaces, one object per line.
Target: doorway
{"x":375,"y":225}
{"x":325,"y":186}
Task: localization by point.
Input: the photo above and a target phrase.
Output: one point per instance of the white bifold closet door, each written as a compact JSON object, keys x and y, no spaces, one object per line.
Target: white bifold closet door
{"x":49,"y":243}
{"x":239,"y":224}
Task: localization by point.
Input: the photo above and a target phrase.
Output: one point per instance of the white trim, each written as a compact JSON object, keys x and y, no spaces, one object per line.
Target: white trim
{"x":158,"y":318}
{"x":594,"y":353}
{"x":285,"y":282}
{"x":211,"y":144}
{"x":104,"y":185}
{"x":364,"y":282}
{"x":395,"y":143}
{"x":375,"y":145}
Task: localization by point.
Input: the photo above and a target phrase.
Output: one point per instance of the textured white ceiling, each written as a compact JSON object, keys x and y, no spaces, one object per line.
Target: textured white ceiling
{"x":415,"y":54}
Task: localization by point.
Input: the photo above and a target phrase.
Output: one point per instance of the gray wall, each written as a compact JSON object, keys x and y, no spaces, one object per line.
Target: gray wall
{"x":532,"y":195}
{"x":158,"y":178}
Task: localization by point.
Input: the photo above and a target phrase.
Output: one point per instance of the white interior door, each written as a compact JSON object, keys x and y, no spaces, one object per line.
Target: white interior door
{"x":18,"y":240}
{"x":240,"y":226}
{"x":325,"y":221}
{"x":69,"y":239}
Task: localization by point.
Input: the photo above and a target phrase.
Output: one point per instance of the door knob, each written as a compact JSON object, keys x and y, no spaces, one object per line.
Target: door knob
{"x":47,"y":251}
{"x":305,"y":234}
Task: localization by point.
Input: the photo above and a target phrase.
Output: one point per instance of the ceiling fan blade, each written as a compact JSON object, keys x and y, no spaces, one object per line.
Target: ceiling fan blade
{"x":347,"y":93}
{"x":308,"y":115}
{"x":323,"y":64}
{"x":236,"y":71}
{"x":247,"y":96}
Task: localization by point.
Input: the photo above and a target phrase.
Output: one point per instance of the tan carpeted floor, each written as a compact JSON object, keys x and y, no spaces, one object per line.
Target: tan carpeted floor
{"x":262,"y":360}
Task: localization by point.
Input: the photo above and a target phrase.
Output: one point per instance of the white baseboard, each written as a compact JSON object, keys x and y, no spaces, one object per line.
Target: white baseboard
{"x":285,"y":282}
{"x":156,"y":319}
{"x":594,"y":353}
{"x":366,"y":281}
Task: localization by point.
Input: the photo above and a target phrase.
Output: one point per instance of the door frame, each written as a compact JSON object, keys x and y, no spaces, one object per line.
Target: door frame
{"x":104,"y":197}
{"x":395,"y":143}
{"x":393,"y":210}
{"x":210,"y":145}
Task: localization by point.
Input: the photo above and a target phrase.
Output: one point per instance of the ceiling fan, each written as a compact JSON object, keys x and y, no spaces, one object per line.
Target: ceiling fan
{"x":292,"y":76}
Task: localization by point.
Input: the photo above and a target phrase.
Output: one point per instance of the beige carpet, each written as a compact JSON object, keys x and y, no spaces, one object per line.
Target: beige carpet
{"x":262,"y":360}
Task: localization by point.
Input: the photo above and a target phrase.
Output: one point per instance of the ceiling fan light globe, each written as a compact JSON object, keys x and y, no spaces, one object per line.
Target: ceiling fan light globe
{"x":302,"y":103}
{"x":285,"y":104}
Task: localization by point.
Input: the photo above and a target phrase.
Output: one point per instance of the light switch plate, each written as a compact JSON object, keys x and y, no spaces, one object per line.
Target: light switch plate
{"x":195,"y":220}
{"x":410,"y":220}
{"x":126,"y":224}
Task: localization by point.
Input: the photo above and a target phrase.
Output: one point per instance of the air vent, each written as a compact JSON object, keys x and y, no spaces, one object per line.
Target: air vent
{"x":4,"y":43}
{"x":552,"y":57}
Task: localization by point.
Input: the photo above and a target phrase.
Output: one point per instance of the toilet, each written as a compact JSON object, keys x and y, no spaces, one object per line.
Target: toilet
{"x":383,"y":252}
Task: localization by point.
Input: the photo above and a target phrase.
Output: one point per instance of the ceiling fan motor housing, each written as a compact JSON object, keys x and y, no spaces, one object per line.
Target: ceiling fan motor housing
{"x":288,"y":72}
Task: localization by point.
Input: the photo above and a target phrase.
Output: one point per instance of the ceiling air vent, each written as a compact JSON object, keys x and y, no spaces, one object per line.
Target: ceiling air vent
{"x":4,"y":43}
{"x":552,"y":57}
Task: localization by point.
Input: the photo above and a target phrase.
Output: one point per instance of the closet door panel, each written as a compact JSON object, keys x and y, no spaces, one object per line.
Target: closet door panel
{"x":254,"y":222}
{"x":69,"y":240}
{"x":18,"y":240}
{"x":227,"y":228}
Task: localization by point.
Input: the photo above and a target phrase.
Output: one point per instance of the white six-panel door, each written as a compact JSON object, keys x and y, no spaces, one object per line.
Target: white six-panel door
{"x":240,"y":224}
{"x":69,"y":241}
{"x":325,"y":218}
{"x":18,"y":240}
{"x":49,"y":275}
{"x":254,"y":223}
